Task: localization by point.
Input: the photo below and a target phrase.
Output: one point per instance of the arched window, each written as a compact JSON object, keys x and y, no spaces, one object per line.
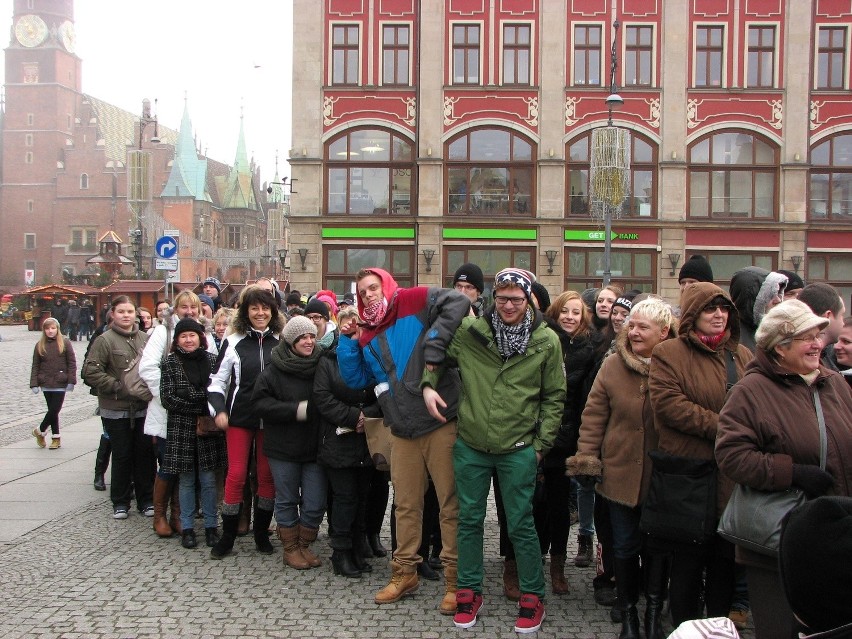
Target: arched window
{"x":490,"y":172}
{"x":831,"y":179}
{"x":733,"y":174}
{"x":642,"y":202}
{"x":369,"y":172}
{"x":84,"y":181}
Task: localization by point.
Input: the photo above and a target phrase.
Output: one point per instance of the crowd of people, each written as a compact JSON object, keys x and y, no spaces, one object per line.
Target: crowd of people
{"x":254,"y":413}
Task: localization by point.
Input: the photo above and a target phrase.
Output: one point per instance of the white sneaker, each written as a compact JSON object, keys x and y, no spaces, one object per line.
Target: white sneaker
{"x":119,"y":513}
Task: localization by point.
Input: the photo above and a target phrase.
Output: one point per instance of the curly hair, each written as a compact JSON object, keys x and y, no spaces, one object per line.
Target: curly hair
{"x":250,"y":296}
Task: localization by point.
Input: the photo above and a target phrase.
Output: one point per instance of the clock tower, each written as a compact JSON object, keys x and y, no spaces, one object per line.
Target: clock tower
{"x":42,"y":98}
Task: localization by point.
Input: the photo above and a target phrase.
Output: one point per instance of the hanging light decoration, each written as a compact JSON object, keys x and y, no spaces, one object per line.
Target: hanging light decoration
{"x":609,"y":174}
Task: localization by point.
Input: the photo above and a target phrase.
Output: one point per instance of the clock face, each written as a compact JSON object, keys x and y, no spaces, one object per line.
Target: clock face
{"x":66,"y":34}
{"x":30,"y":31}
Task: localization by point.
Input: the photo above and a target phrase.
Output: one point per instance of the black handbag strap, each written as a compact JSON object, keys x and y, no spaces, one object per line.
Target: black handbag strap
{"x":823,"y":436}
{"x":733,"y":378}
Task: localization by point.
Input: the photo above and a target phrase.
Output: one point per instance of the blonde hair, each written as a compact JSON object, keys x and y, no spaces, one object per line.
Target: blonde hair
{"x":555,"y":309}
{"x":42,"y":342}
{"x":192,"y":297}
{"x":346,"y":312}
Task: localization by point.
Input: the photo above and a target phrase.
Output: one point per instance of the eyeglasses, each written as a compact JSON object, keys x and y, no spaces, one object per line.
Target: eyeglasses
{"x":502,"y":300}
{"x":712,"y":308}
{"x":819,"y":337}
{"x":465,"y":287}
{"x":314,"y":317}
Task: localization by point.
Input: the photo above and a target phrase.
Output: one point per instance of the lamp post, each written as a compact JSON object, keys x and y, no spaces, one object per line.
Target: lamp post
{"x":139,"y":176}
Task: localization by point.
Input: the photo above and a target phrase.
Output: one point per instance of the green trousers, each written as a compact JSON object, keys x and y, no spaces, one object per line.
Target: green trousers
{"x":516,"y":472}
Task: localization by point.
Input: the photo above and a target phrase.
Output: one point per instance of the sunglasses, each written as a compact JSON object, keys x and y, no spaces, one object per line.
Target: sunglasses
{"x":712,"y":308}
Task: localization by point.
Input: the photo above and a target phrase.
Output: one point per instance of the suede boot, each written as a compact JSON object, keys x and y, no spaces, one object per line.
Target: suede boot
{"x":343,"y":564}
{"x":511,"y":587}
{"x":449,"y":606}
{"x":307,"y":536}
{"x":656,"y":579}
{"x":161,"y":498}
{"x":627,"y":576}
{"x":401,"y":584}
{"x":292,"y":554}
{"x":174,"y":515}
{"x":225,"y":545}
{"x":557,"y":575}
{"x":262,"y":519}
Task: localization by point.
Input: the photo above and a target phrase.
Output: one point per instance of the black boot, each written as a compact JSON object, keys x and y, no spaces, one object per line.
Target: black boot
{"x":262,"y":519}
{"x":211,"y":536}
{"x":102,"y":462}
{"x":229,"y":533}
{"x":343,"y":563}
{"x":361,"y":547}
{"x":376,"y":544}
{"x":627,"y":577}
{"x":656,"y":578}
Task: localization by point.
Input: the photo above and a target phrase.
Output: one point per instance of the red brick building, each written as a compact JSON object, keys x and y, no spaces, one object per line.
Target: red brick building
{"x":75,"y":166}
{"x":434,"y":132}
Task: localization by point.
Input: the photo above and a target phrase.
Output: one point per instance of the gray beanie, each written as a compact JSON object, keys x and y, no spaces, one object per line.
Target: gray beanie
{"x":296,"y":327}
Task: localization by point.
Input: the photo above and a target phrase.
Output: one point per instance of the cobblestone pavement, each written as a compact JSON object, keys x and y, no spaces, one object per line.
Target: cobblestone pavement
{"x":86,"y":575}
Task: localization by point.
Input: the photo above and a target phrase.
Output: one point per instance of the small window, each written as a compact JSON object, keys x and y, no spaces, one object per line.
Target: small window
{"x":587,"y":55}
{"x":30,"y":119}
{"x":91,"y":239}
{"x":516,"y":54}
{"x":28,"y":157}
{"x":344,"y":55}
{"x":395,"y":54}
{"x":84,"y":181}
{"x":29,"y":240}
{"x":30,"y":206}
{"x":709,"y":55}
{"x":831,"y":58}
{"x":761,"y":57}
{"x":639,"y":56}
{"x":465,"y":54}
{"x":28,"y":139}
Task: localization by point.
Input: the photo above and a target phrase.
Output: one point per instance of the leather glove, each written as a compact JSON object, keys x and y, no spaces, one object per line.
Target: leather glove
{"x":35,"y":390}
{"x":587,"y":481}
{"x":69,"y":388}
{"x":812,"y":479}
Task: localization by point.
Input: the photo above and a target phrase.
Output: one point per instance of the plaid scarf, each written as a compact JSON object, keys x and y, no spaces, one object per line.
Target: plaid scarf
{"x":512,"y":339}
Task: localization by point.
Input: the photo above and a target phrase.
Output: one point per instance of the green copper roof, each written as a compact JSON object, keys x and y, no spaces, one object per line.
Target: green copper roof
{"x":239,"y":193}
{"x":188,"y":177}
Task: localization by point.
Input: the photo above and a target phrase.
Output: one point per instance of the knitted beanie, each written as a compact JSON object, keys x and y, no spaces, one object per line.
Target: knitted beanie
{"x":212,"y":281}
{"x":317,"y":306}
{"x":518,"y":277}
{"x":794,"y":281}
{"x":296,"y":327}
{"x":471,"y":274}
{"x":189,"y":325}
{"x":696,"y":267}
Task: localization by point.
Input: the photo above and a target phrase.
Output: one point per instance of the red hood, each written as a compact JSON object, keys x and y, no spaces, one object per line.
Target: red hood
{"x":389,"y":287}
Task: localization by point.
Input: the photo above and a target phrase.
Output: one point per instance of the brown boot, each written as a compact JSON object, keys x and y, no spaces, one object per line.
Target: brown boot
{"x":174,"y":517}
{"x":448,"y":603}
{"x":161,"y":498}
{"x":401,"y":584}
{"x":511,"y":587}
{"x":585,"y":550}
{"x":307,"y":536}
{"x":292,"y":554}
{"x":557,"y":574}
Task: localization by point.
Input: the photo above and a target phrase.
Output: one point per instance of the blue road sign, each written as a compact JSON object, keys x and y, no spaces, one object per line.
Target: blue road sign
{"x":166,"y":247}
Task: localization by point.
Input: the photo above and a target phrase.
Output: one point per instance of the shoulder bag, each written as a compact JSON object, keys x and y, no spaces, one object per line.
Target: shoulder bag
{"x":133,"y":383}
{"x":752,"y":518}
{"x":681,"y":501}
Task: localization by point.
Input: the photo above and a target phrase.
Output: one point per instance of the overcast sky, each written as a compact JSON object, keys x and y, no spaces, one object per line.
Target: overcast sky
{"x":221,"y":54}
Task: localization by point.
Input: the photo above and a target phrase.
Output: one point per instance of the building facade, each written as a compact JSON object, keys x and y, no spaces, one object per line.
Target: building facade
{"x":429,"y":133}
{"x":75,"y":167}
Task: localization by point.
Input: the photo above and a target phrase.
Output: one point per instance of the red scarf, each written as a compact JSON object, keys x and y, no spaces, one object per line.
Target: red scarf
{"x":711,"y":341}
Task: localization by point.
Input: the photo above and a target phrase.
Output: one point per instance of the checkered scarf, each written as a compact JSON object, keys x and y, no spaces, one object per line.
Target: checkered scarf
{"x":512,"y":339}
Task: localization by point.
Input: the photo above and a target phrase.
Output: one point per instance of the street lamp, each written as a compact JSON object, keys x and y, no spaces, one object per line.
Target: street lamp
{"x":139,"y":177}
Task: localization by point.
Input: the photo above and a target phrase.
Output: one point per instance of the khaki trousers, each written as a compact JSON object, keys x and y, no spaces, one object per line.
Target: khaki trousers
{"x":413,"y":461}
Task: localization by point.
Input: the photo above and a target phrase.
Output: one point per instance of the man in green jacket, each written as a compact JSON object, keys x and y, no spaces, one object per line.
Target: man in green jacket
{"x":511,"y":408}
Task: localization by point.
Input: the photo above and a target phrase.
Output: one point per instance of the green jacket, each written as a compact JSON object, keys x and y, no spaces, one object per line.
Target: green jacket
{"x":506,"y":405}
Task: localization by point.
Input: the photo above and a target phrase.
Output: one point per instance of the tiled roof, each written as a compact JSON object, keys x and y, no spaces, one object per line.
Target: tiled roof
{"x":118,"y":128}
{"x":134,"y":286}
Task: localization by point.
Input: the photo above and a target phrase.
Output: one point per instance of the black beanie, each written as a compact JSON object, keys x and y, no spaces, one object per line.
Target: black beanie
{"x":541,"y":294}
{"x":814,"y":558}
{"x":187,"y":324}
{"x":698,"y":268}
{"x":294,"y":298}
{"x":318,"y":307}
{"x":471,"y":274}
{"x":794,"y":282}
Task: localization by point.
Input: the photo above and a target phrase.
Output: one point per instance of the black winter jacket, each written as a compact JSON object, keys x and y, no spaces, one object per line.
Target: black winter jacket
{"x":340,"y":406}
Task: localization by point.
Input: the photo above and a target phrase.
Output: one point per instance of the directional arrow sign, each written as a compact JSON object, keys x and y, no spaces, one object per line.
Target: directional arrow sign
{"x":166,"y":247}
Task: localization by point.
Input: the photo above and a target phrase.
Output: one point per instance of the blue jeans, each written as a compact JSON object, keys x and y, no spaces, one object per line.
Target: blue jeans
{"x":300,"y":493}
{"x":626,"y":537}
{"x":585,"y":509}
{"x":208,"y":497}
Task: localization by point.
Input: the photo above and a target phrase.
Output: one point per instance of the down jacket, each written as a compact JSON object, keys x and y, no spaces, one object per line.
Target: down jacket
{"x":617,"y":430}
{"x":688,"y":383}
{"x":340,"y":406}
{"x":769,"y":423}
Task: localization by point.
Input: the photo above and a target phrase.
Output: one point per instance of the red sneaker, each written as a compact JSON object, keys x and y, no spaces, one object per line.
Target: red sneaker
{"x":530,"y":615}
{"x":468,"y":605}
